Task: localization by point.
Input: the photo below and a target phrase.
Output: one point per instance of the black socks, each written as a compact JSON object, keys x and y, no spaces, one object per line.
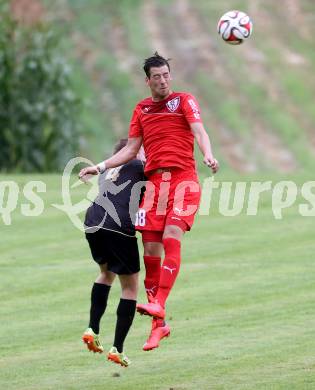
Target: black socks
{"x":125,"y":314}
{"x":99,"y":296}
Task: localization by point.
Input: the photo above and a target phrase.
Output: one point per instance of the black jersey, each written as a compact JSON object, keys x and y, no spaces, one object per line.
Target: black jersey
{"x":118,"y":201}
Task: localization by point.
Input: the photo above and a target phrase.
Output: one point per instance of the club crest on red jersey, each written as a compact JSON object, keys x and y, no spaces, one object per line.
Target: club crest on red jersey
{"x":173,"y":104}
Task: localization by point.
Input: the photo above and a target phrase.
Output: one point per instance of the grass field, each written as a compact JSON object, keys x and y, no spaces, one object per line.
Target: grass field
{"x":242,"y":311}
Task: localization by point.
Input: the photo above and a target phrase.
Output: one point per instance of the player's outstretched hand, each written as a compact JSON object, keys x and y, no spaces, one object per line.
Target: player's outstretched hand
{"x":86,"y":173}
{"x":212,"y":163}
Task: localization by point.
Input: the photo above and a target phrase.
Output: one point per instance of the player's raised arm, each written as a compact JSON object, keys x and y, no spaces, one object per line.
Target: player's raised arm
{"x":204,"y":144}
{"x":126,"y":154}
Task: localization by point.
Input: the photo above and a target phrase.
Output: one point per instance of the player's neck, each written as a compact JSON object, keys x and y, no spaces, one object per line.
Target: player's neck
{"x":159,"y":98}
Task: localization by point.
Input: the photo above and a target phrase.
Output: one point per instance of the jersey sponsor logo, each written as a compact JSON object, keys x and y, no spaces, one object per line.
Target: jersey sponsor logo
{"x":146,"y":109}
{"x":194,"y":107}
{"x":173,"y":104}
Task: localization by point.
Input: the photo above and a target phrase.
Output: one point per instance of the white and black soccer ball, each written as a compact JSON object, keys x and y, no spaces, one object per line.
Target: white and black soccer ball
{"x":235,"y":27}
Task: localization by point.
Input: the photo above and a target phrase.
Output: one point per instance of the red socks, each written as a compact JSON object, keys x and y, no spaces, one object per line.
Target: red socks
{"x":160,"y":280}
{"x":152,"y":274}
{"x":169,"y":269}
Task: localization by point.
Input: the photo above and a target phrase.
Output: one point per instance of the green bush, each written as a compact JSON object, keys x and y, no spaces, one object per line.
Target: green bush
{"x":38,"y":107}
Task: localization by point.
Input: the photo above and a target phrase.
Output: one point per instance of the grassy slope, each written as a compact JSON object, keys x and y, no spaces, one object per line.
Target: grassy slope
{"x":285,"y":114}
{"x":107,"y":89}
{"x":237,"y":102}
{"x":115,"y":34}
{"x":242,"y":309}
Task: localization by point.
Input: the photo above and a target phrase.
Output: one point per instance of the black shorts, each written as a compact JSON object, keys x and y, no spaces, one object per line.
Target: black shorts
{"x":118,"y":251}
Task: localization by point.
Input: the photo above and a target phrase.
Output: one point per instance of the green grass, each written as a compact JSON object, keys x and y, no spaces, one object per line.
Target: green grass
{"x":112,"y":82}
{"x":242,"y":310}
{"x":108,"y":91}
{"x":291,"y":112}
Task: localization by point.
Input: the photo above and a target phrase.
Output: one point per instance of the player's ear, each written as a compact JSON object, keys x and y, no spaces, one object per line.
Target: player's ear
{"x":147,"y":80}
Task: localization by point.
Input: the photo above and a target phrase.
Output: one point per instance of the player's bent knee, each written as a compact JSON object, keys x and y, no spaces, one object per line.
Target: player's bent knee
{"x":129,"y":285}
{"x":105,"y":276}
{"x":173,"y":231}
{"x":129,"y":293}
{"x":153,"y":248}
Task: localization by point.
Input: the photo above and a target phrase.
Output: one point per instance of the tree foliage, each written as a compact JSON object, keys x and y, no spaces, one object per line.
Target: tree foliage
{"x":38,"y":107}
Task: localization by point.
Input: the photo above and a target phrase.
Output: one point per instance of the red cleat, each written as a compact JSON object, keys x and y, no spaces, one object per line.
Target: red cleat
{"x":157,"y":334}
{"x":153,"y":309}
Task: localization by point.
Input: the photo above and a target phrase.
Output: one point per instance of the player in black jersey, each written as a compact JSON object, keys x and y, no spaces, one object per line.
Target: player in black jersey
{"x":110,"y":231}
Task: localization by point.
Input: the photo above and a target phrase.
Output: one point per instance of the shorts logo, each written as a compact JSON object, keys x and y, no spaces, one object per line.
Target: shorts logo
{"x":173,"y":104}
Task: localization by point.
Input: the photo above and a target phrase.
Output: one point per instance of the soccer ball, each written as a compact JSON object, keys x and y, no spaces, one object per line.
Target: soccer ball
{"x":234,"y":27}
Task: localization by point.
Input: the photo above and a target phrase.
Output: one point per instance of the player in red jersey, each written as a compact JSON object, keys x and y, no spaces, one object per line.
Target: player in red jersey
{"x":167,"y":123}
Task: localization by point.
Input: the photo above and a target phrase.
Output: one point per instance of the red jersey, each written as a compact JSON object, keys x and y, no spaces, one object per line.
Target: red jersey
{"x":164,"y":127}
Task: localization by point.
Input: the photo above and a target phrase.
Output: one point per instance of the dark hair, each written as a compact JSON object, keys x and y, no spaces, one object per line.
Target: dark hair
{"x":120,"y":144}
{"x":155,"y":61}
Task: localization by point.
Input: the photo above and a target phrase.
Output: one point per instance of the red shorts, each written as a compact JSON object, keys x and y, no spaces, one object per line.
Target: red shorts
{"x":172,"y":197}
